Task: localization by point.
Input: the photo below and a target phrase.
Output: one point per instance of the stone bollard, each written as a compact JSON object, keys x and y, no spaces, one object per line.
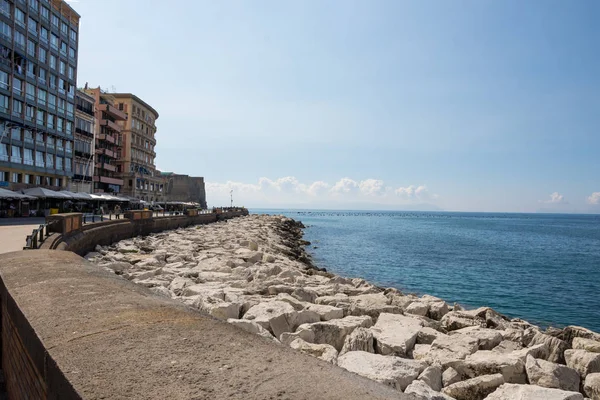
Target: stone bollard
{"x":64,"y":223}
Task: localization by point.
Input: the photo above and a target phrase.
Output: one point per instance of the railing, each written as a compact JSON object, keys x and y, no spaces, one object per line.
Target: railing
{"x":37,"y":237}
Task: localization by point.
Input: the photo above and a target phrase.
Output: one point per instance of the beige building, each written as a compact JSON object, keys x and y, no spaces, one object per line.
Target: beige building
{"x":136,"y":164}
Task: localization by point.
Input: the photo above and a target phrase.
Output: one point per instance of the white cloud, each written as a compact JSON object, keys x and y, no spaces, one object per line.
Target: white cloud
{"x":289,"y":190}
{"x":555,"y":198}
{"x":594,"y":199}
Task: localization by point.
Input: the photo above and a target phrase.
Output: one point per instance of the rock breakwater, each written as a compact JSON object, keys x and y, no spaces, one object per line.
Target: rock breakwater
{"x":254,"y":273}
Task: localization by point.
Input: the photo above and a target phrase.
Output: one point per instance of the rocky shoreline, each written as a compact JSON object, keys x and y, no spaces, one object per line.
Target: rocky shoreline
{"x":255,"y":273}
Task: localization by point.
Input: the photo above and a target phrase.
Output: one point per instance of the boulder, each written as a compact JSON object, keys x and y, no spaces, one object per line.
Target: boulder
{"x":556,"y":346}
{"x":339,"y":300}
{"x":361,"y":339}
{"x":486,"y":362}
{"x":461,"y":319}
{"x":438,"y":309}
{"x":306,"y":295}
{"x":450,"y":376}
{"x":275,"y":316}
{"x":474,"y":389}
{"x":586,"y":344}
{"x":372,"y":305}
{"x":495,"y":320}
{"x":178,"y":284}
{"x":507,"y":346}
{"x":395,"y":334}
{"x":569,"y":333}
{"x":584,"y":362}
{"x":252,"y":327}
{"x":427,"y":335}
{"x":421,"y":390}
{"x":393,"y":371}
{"x":591,"y":387}
{"x":448,"y":349}
{"x":294,"y":302}
{"x":288,"y":337}
{"x":334,"y":332}
{"x":417,"y":308}
{"x":161,"y":291}
{"x":222,"y":310}
{"x":323,"y":351}
{"x":326,"y":312}
{"x":551,"y":375}
{"x":510,"y":391}
{"x":488,"y":338}
{"x":432,"y":376}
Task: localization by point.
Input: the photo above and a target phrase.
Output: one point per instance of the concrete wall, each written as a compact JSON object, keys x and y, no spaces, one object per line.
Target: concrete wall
{"x":71,"y":330}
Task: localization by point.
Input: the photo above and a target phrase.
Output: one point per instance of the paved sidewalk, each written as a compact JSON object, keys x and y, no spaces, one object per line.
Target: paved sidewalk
{"x":13,"y":232}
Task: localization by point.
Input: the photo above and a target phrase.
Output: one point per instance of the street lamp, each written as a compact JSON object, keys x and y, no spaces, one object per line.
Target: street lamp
{"x":231,"y":194}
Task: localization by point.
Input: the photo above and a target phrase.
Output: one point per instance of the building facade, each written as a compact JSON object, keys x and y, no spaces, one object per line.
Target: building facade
{"x":136,"y":163}
{"x":84,"y":143}
{"x":38,"y":69}
{"x":184,"y":188}
{"x":108,"y":150}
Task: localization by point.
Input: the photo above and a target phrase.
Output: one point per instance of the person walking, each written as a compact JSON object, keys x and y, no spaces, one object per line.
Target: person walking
{"x":118,"y":211}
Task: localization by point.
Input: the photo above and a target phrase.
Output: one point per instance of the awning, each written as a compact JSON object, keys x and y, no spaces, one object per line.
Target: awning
{"x":10,"y":195}
{"x":43,"y":193}
{"x":77,"y":196}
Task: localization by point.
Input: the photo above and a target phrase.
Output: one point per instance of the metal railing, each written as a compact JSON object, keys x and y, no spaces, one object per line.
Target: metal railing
{"x":37,"y":237}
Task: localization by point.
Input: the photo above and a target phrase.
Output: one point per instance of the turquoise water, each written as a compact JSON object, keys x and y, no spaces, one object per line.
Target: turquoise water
{"x":544,"y":268}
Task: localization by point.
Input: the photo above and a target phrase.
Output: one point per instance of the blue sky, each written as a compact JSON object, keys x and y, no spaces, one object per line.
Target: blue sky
{"x":458,"y":105}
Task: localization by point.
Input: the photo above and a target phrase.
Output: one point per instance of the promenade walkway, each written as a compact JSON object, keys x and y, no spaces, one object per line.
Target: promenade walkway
{"x":13,"y":232}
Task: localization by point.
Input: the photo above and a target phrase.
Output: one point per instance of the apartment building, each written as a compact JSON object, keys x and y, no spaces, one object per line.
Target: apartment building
{"x":108,"y":144}
{"x":179,"y":187}
{"x":38,"y":69}
{"x":84,"y":143}
{"x":136,"y":163}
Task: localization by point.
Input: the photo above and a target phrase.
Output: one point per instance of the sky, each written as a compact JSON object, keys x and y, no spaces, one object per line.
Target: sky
{"x":437,"y":105}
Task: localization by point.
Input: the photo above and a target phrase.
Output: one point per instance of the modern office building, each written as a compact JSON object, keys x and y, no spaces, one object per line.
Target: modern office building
{"x":136,"y":163}
{"x":84,"y":143}
{"x":109,"y":122}
{"x":38,"y":69}
{"x":184,"y":188}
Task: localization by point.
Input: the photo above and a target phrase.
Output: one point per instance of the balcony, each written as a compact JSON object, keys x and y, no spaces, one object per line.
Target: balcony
{"x":113,"y":112}
{"x":106,"y":137}
{"x":106,"y":152}
{"x":110,"y":181}
{"x":85,"y":133}
{"x":85,"y":110}
{"x":110,"y":124}
{"x":106,"y":166}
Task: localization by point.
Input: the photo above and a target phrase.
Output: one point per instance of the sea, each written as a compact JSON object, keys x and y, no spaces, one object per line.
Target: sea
{"x":544,"y":268}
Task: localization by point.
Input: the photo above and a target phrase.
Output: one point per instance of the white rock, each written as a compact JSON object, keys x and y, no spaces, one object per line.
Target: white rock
{"x":427,"y":335}
{"x":303,"y":294}
{"x":340,"y":300}
{"x":326,"y":312}
{"x":591,"y":386}
{"x":395,"y":334}
{"x":488,"y":338}
{"x":161,"y":291}
{"x":485,"y":362}
{"x":438,"y":309}
{"x":551,"y":375}
{"x":275,"y":316}
{"x":432,"y":376}
{"x":474,"y":389}
{"x":507,"y":346}
{"x":372,"y":305}
{"x":510,"y":391}
{"x":584,"y":362}
{"x":586,"y":344}
{"x":417,"y":308}
{"x":323,"y":351}
{"x":252,"y":327}
{"x":222,"y":310}
{"x":450,"y":376}
{"x":252,"y":246}
{"x":422,"y":391}
{"x":448,"y":349}
{"x":393,"y":371}
{"x":461,"y":319}
{"x":288,"y":337}
{"x":361,"y":339}
{"x":556,"y":346}
{"x":178,"y":284}
{"x":334,"y":332}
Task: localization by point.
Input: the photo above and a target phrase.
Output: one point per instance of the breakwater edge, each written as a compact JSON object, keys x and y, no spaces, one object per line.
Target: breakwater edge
{"x":254,"y":273}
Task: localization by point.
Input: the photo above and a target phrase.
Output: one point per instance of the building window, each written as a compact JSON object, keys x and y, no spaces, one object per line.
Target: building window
{"x":59,"y":163}
{"x":3,"y":153}
{"x":32,"y":26}
{"x":54,"y":41}
{"x":29,"y":113}
{"x":73,"y":35}
{"x":3,"y":80}
{"x":68,"y":163}
{"x":27,"y":179}
{"x":34,"y":5}
{"x":44,"y":34}
{"x":51,"y":101}
{"x":50,"y":141}
{"x":63,"y":48}
{"x":17,"y":108}
{"x":69,"y":128}
{"x":39,"y":138}
{"x":43,"y":53}
{"x":19,"y":17}
{"x":29,"y":91}
{"x":50,"y":121}
{"x":39,"y":159}
{"x":71,"y":53}
{"x":52,"y":81}
{"x":19,"y":39}
{"x":62,"y":68}
{"x":5,"y":8}
{"x":71,"y":73}
{"x":45,"y":12}
{"x":40,"y":117}
{"x":16,"y":177}
{"x":58,"y":182}
{"x":42,"y":96}
{"x":38,"y":179}
{"x":6,"y":30}
{"x":3,"y":103}
{"x":64,"y":28}
{"x":28,"y":136}
{"x":42,"y":75}
{"x":59,"y":124}
{"x":31,"y":70}
{"x":15,"y":154}
{"x":27,"y":157}
{"x":31,"y":47}
{"x":49,"y":160}
{"x":55,"y":20}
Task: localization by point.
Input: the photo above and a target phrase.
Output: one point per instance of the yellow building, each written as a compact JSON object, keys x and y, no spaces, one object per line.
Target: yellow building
{"x":136,"y":163}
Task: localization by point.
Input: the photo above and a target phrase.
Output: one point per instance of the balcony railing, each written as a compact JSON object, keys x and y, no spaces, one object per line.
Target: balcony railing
{"x":110,"y":124}
{"x":113,"y":111}
{"x":106,"y":137}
